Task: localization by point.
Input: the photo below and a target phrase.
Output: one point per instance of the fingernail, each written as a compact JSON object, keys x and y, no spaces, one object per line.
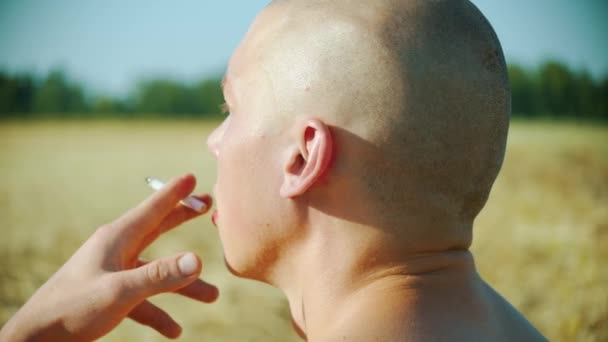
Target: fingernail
{"x":187,"y":264}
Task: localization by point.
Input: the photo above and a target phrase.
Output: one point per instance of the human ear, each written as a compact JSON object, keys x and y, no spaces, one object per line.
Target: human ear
{"x":309,"y":160}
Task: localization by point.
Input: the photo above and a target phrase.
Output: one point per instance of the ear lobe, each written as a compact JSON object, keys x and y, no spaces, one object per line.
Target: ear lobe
{"x":310,"y":161}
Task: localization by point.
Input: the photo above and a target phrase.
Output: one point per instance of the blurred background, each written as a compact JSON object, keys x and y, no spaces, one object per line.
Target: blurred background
{"x":95,"y":96}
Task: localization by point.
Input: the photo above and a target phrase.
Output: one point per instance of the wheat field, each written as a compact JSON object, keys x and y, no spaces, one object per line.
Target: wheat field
{"x":541,"y":241}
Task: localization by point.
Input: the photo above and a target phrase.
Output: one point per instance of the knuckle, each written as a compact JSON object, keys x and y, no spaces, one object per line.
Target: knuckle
{"x":158,"y":272}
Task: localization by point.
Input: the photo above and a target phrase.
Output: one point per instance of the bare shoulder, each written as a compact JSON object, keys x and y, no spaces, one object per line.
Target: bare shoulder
{"x":508,"y":322}
{"x":485,"y":316}
{"x":515,"y":330}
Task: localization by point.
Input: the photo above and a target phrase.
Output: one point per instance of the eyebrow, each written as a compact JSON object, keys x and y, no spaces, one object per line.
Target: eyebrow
{"x":224,"y":107}
{"x":224,"y":83}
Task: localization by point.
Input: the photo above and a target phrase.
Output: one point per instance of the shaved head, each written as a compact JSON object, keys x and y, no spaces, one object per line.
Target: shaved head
{"x":420,"y":85}
{"x":363,"y":139}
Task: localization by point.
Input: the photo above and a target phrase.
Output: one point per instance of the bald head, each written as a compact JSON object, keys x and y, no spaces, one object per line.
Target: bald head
{"x":422,"y":83}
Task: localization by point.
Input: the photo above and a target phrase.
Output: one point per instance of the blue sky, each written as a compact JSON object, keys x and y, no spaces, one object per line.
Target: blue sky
{"x":109,"y":44}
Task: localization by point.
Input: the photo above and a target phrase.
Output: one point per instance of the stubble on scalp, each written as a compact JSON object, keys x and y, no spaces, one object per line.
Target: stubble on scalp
{"x":424,"y":83}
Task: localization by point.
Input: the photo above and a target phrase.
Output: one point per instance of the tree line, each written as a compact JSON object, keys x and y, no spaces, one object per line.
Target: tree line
{"x":57,"y":96}
{"x":550,"y":90}
{"x":554,"y":90}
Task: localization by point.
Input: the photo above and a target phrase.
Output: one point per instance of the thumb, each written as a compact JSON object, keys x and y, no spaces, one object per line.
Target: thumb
{"x":163,"y":275}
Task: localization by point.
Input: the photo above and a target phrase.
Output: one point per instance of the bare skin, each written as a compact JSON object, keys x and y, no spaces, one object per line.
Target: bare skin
{"x":362,"y":141}
{"x":381,"y":129}
{"x":105,"y":282}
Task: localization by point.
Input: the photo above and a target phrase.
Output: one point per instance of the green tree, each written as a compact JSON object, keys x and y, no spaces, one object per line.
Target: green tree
{"x":524,"y":91}
{"x":107,"y":106}
{"x":587,"y":97}
{"x":160,"y":96}
{"x":209,"y":97}
{"x":57,"y":95}
{"x":557,"y":89}
{"x":16,"y":93}
{"x":171,"y":98}
{"x":603,"y":99}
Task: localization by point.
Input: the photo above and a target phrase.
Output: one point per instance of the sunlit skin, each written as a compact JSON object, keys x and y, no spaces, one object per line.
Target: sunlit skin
{"x":331,"y":106}
{"x":105,"y":281}
{"x":362,"y":140}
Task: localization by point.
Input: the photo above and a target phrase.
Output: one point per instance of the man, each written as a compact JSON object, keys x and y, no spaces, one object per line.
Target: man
{"x":362,"y":141}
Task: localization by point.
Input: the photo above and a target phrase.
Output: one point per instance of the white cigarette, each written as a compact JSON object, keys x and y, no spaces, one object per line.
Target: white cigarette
{"x":190,"y":201}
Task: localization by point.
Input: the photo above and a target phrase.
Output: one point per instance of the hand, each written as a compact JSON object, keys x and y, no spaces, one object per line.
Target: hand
{"x":105,"y":281}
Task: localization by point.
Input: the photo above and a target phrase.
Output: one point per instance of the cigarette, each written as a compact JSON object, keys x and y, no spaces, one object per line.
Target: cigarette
{"x":190,"y":201}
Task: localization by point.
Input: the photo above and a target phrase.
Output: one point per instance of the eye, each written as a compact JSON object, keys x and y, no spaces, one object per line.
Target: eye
{"x":224,"y":108}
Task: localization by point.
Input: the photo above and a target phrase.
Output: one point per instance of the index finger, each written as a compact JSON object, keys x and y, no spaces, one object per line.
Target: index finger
{"x":151,"y":212}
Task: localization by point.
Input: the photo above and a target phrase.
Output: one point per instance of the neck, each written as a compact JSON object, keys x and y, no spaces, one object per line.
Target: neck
{"x":338,"y":270}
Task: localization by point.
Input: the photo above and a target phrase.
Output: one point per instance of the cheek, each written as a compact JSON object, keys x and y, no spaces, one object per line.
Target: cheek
{"x":239,"y":182}
{"x":247,"y":176}
{"x":247,"y":194}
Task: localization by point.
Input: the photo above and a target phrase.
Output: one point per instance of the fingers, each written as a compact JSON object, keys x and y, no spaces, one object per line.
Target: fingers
{"x":151,"y":315}
{"x":200,"y":290}
{"x":182,"y":214}
{"x":197,"y":290}
{"x":149,"y":213}
{"x":179,"y":215}
{"x":162,"y":275}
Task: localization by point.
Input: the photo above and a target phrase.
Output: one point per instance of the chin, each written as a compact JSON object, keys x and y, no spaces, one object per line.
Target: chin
{"x":232,"y":269}
{"x":241,"y":272}
{"x":245,"y":270}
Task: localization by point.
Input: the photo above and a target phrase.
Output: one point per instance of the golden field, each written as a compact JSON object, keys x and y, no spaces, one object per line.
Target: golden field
{"x":541,"y":241}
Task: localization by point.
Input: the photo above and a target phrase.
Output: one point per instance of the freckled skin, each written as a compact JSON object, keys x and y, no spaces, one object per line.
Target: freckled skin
{"x":363,"y":139}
